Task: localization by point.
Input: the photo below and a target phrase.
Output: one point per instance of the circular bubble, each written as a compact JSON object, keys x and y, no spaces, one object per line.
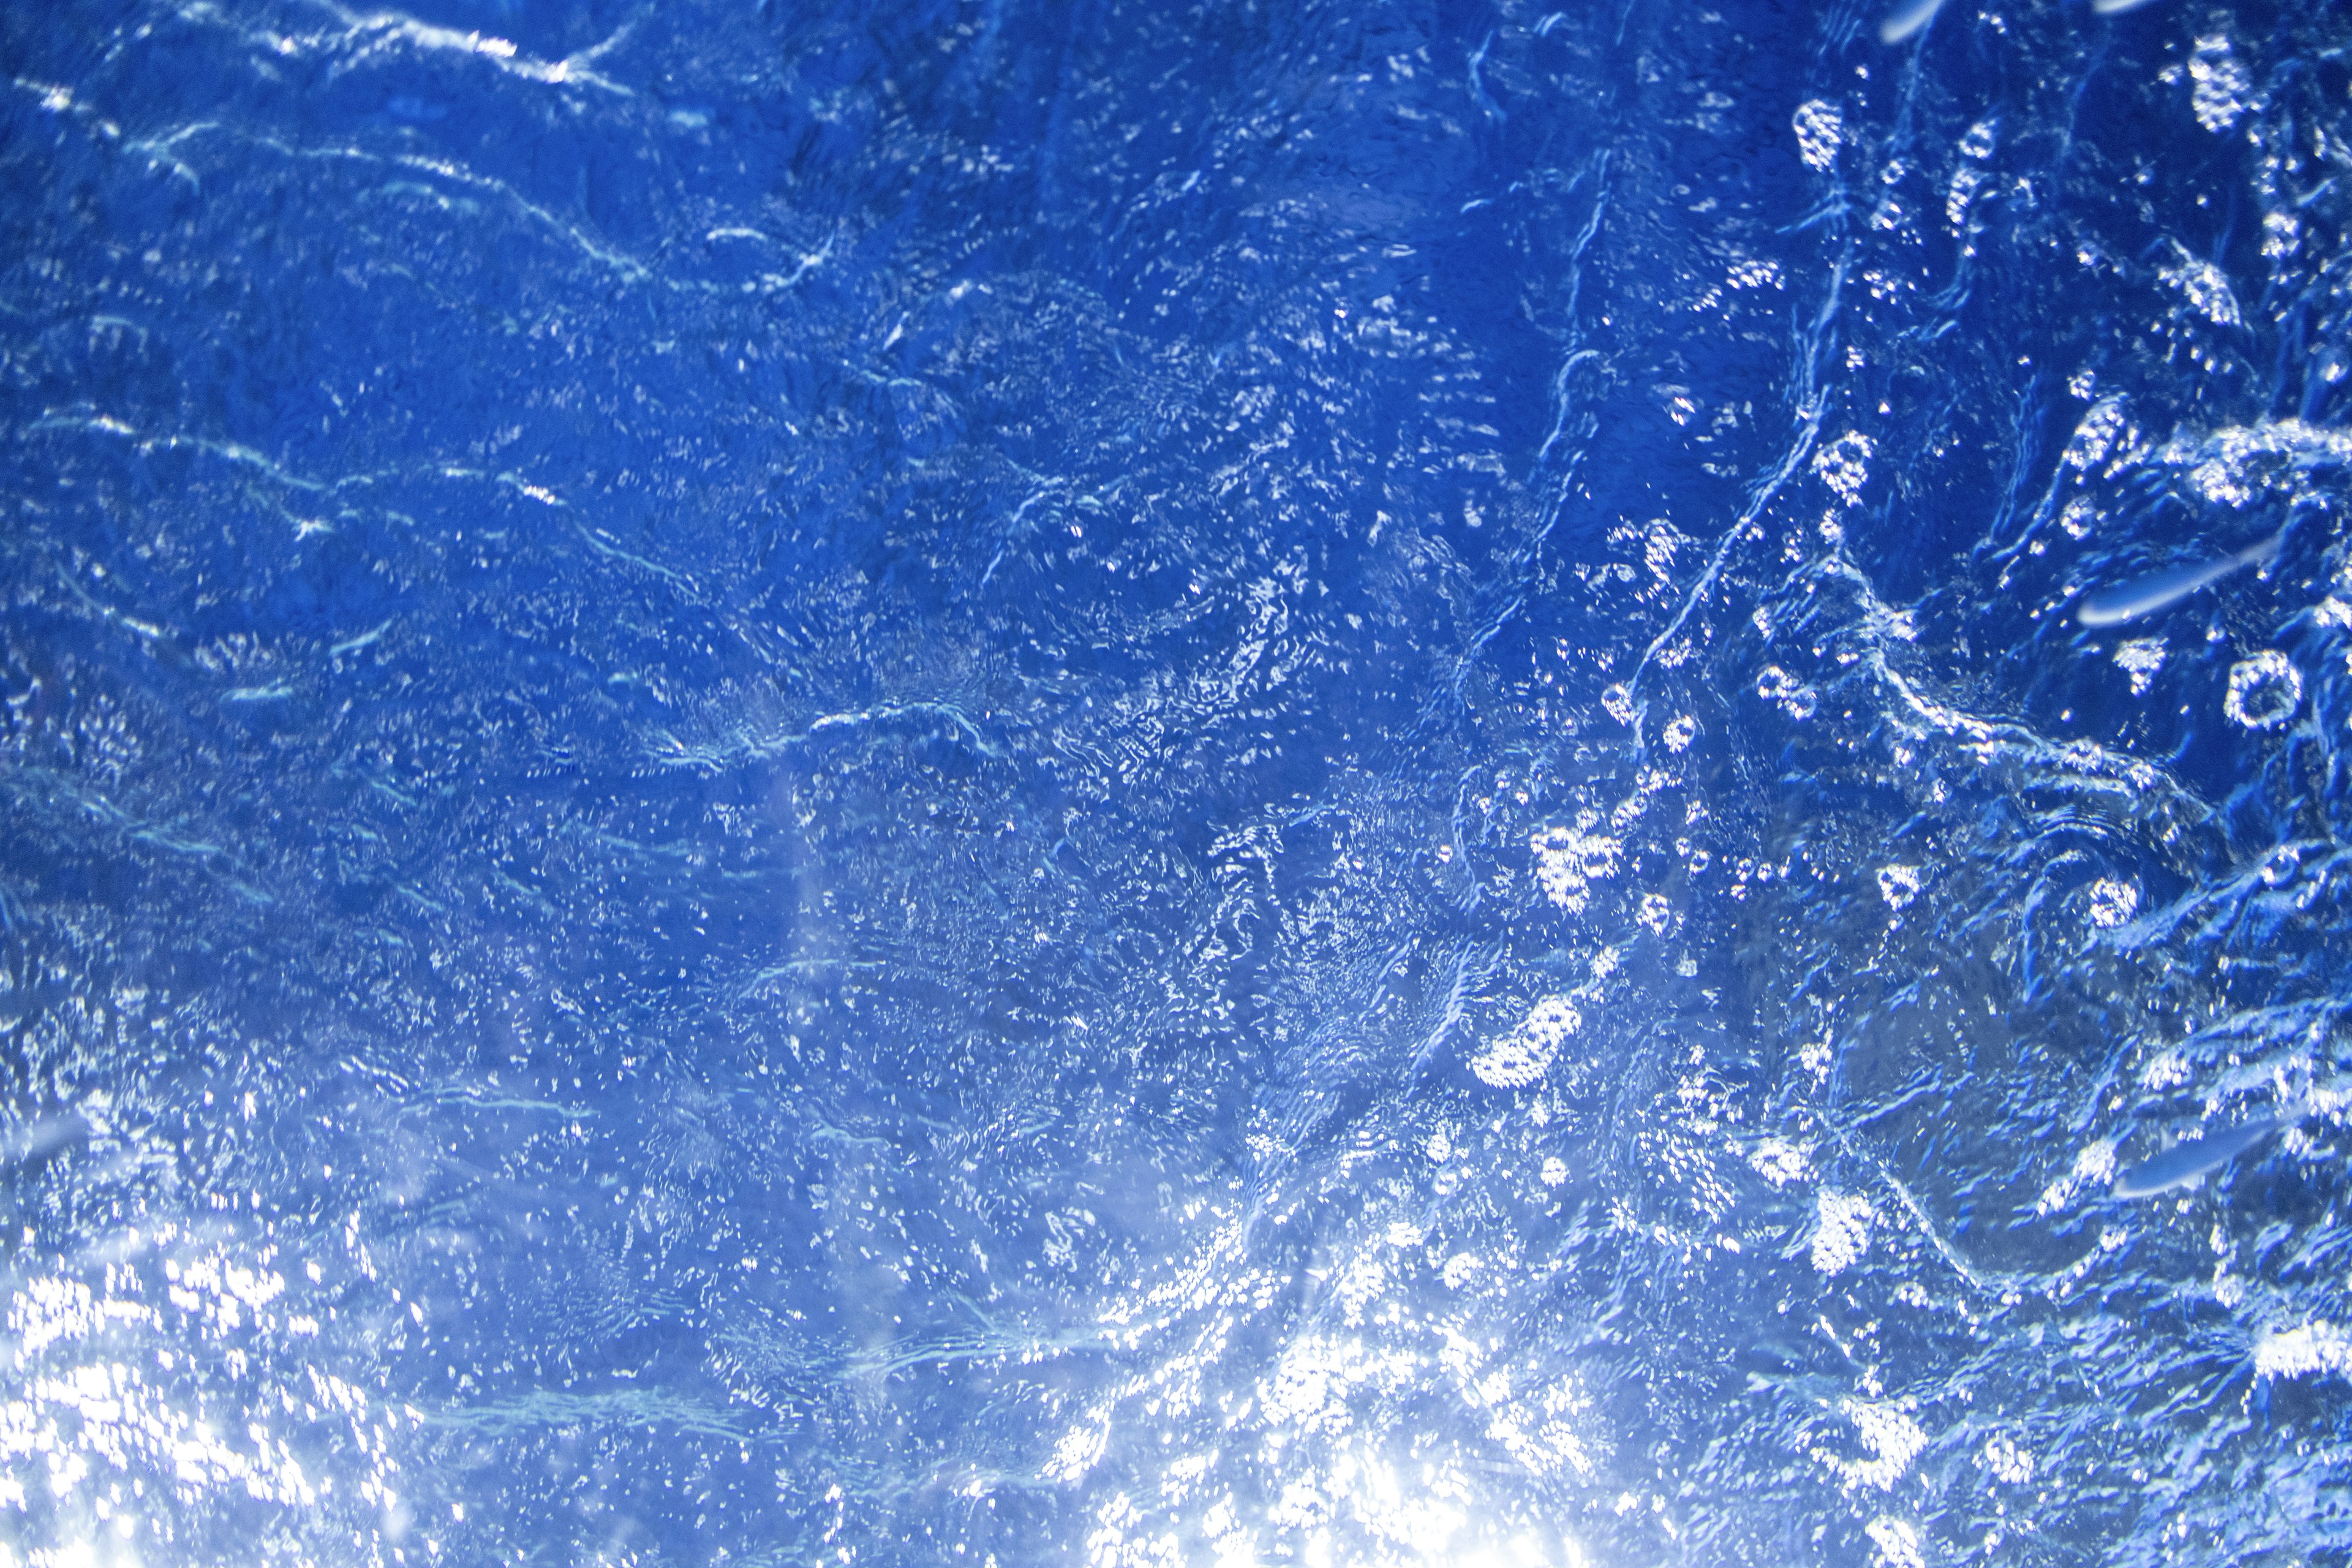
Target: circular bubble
{"x":2264,"y":690}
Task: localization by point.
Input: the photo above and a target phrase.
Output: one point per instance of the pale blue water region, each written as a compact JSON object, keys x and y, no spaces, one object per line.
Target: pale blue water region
{"x":1137,"y":784}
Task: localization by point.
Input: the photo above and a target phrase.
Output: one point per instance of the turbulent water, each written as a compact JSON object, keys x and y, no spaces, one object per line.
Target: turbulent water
{"x":1125,"y":784}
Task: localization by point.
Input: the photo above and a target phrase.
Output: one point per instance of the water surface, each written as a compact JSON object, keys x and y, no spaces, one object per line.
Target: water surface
{"x":1127,"y":784}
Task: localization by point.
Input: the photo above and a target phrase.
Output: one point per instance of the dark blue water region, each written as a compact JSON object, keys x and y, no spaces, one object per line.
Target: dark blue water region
{"x":995,"y":783}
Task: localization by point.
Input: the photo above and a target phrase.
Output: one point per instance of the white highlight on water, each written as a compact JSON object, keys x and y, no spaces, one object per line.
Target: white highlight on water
{"x":2113,"y":902}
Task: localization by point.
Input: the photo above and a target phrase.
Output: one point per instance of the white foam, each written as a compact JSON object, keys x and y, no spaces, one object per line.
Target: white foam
{"x":2264,"y":690}
{"x":1780,"y":1162}
{"x":1897,"y":1543}
{"x":2140,"y":658}
{"x":2095,"y":1165}
{"x":1569,"y":860}
{"x":2206,"y":287}
{"x":2095,"y":434}
{"x":2007,"y":1460}
{"x":1820,"y":129}
{"x":2317,"y":1348}
{"x":1892,"y":1436}
{"x":1845,"y":465}
{"x":2219,"y":91}
{"x":1840,"y":1230}
{"x":1522,"y":1056}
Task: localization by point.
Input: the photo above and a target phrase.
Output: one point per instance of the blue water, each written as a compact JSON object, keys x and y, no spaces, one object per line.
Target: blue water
{"x":1125,"y":784}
